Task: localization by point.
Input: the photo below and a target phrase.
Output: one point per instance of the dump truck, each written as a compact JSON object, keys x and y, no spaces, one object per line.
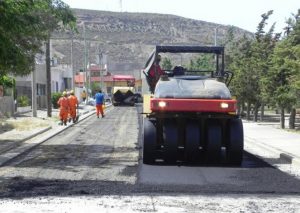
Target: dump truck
{"x":123,"y":96}
{"x":190,"y":115}
{"x":123,"y":90}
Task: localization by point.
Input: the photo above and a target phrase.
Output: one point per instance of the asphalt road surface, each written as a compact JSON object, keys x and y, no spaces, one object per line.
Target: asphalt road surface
{"x":97,"y":163}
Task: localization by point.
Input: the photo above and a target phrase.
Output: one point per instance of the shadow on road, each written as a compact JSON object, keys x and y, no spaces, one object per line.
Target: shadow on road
{"x":254,"y":176}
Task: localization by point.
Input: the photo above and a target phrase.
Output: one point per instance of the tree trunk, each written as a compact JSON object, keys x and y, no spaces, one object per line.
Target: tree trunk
{"x":292,"y":119}
{"x":282,"y":119}
{"x":243,"y":107}
{"x":248,"y":111}
{"x":48,"y":78}
{"x":255,"y":112}
{"x":262,"y":111}
{"x":238,"y":108}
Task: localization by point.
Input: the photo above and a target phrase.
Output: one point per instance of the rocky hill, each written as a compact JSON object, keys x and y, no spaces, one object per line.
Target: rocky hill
{"x":128,"y":38}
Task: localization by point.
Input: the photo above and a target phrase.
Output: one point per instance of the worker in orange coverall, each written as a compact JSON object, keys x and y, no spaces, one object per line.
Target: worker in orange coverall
{"x":73,"y":102}
{"x":63,"y":102}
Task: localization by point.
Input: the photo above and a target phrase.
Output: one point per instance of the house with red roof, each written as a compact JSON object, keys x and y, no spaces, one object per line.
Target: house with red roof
{"x":96,"y":78}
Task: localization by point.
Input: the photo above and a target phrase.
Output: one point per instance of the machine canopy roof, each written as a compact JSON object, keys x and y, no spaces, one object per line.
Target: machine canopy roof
{"x":181,"y":49}
{"x":123,"y":78}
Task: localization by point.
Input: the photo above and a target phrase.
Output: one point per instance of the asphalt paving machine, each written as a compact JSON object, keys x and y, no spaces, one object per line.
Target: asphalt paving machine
{"x":190,"y":115}
{"x":123,"y":90}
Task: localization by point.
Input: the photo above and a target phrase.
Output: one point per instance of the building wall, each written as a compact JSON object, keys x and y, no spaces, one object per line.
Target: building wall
{"x":61,"y":78}
{"x":7,"y":106}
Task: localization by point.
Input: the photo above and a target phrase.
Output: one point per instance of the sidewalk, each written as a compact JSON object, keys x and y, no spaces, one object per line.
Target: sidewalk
{"x":17,"y":134}
{"x":283,"y":143}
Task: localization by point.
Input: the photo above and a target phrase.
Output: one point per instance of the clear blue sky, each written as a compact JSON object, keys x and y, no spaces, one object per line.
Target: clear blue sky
{"x":240,"y":13}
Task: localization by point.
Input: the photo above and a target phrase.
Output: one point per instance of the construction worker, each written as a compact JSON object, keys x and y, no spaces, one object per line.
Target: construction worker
{"x":83,"y":96}
{"x":99,"y":97}
{"x":73,"y":102}
{"x":155,"y":72}
{"x":63,"y":102}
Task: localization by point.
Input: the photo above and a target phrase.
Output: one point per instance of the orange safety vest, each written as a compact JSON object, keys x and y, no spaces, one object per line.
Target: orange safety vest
{"x":73,"y":101}
{"x":63,"y":103}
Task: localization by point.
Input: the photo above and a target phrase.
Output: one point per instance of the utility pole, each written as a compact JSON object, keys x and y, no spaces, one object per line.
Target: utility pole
{"x":48,"y":77}
{"x":85,"y":62}
{"x":73,"y":74}
{"x":33,"y":92}
{"x":88,"y":65}
{"x":99,"y":60}
{"x":216,"y":31}
{"x":101,"y":71}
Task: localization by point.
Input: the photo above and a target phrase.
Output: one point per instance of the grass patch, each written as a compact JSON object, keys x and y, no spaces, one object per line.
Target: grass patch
{"x":296,"y":130}
{"x":27,"y":124}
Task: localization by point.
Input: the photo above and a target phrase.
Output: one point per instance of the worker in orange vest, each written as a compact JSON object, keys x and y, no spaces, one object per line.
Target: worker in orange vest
{"x":63,"y":102}
{"x":83,"y":96}
{"x":73,"y":102}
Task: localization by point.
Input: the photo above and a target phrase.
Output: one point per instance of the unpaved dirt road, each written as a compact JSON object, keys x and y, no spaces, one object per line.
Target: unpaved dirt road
{"x":96,"y":165}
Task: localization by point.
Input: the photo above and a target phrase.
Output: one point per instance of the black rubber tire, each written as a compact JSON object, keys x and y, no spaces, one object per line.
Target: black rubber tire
{"x":170,"y":137}
{"x":149,"y":142}
{"x":192,"y":141}
{"x":235,"y":145}
{"x":213,"y":143}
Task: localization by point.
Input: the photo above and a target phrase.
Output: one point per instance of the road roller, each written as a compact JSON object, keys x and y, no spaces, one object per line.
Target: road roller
{"x":190,"y":115}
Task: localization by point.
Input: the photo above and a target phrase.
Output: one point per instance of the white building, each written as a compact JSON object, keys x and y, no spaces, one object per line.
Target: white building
{"x":61,"y":79}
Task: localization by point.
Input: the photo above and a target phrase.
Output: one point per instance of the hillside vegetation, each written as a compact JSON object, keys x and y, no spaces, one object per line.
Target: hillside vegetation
{"x":128,"y":38}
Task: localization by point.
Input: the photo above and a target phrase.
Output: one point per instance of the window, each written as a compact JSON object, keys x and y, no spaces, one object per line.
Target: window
{"x":40,"y":89}
{"x":67,"y":83}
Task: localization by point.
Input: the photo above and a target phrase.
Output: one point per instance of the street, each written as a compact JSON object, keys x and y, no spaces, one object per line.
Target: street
{"x":126,"y":106}
{"x":97,"y":162}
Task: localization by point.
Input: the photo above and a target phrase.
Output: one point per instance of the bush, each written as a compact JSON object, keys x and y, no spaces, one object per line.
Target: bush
{"x":23,"y":101}
{"x":54,"y":99}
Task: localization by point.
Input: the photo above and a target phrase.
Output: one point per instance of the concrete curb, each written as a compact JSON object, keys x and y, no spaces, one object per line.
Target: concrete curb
{"x":36,"y":134}
{"x":293,"y":160}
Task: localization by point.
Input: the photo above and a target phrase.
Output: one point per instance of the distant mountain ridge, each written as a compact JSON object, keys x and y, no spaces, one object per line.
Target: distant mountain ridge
{"x":128,"y":38}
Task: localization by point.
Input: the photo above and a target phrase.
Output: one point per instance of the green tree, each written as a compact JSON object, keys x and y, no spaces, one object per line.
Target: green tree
{"x":262,"y":50}
{"x":95,"y":87}
{"x":8,"y":83}
{"x":242,"y":83}
{"x":202,"y":62}
{"x":230,"y":46}
{"x":24,"y":26}
{"x":57,"y":15}
{"x":282,"y":84}
{"x":251,"y":63}
{"x":54,"y":98}
{"x":166,"y":64}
